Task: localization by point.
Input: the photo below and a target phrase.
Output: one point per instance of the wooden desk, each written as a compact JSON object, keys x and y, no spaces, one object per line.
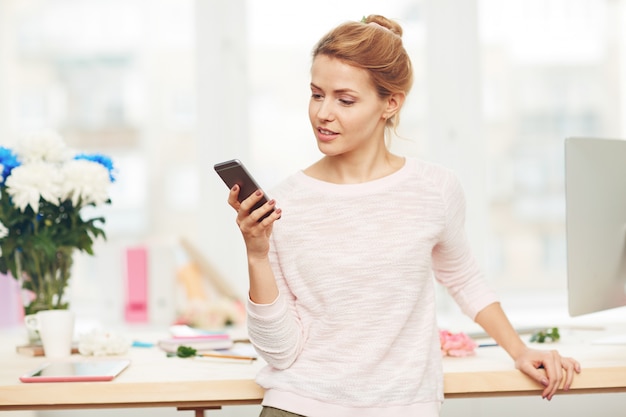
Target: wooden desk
{"x":153,"y":380}
{"x":491,"y":373}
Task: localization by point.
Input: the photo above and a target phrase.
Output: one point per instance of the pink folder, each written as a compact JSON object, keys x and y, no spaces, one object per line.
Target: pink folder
{"x":136,"y":307}
{"x":11,"y":308}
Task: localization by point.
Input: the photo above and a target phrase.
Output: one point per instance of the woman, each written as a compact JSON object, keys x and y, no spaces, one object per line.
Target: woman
{"x":342,"y":301}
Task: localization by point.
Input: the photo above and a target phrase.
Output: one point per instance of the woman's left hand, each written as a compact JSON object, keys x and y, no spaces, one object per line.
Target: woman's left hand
{"x":548,"y":368}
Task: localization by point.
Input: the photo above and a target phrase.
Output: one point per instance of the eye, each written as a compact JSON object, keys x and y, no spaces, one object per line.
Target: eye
{"x":346,"y":102}
{"x":316,"y":96}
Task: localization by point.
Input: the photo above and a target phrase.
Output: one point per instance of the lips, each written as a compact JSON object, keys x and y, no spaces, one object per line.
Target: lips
{"x":326,"y":135}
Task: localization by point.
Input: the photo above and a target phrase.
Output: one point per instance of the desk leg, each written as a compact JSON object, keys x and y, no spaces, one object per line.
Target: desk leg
{"x":199,"y":412}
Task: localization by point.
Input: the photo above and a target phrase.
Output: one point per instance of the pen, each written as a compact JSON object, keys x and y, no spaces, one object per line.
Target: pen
{"x":225,"y":356}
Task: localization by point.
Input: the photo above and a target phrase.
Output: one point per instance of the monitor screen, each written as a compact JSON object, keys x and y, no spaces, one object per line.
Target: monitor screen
{"x":595,"y":205}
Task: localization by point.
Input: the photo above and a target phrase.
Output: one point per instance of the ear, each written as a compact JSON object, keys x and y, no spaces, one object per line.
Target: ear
{"x":394,"y":104}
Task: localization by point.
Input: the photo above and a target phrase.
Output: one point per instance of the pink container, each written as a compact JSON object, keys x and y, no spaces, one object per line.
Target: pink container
{"x":11,"y":307}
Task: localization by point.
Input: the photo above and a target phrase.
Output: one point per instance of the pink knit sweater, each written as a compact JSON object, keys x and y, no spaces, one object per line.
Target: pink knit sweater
{"x":353,"y":331}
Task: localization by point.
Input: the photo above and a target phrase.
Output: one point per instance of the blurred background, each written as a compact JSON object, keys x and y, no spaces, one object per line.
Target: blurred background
{"x":167,"y":88}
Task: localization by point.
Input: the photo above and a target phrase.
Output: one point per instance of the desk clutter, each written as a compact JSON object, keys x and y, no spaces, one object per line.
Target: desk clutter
{"x":186,"y":342}
{"x":202,"y":342}
{"x":226,"y":343}
{"x":93,"y":343}
{"x":101,"y":355}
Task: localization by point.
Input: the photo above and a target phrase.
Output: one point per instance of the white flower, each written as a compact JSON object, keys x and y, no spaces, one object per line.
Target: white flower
{"x":4,"y":232}
{"x":30,"y":182}
{"x":102,"y":343}
{"x":45,"y":146}
{"x":86,"y":182}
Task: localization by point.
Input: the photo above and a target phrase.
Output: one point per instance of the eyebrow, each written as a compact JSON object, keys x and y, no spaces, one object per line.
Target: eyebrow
{"x":340,"y":90}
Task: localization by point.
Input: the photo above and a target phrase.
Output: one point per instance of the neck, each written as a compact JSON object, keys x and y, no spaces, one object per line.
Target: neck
{"x":348,"y":169}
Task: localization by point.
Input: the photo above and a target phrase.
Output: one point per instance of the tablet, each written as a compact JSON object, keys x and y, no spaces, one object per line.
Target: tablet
{"x":101,"y":370}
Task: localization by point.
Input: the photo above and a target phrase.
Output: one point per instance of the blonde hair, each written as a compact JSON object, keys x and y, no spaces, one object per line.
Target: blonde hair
{"x":375,"y":45}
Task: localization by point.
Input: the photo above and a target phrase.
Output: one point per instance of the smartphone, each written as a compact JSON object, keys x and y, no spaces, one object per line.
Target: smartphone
{"x":234,"y":172}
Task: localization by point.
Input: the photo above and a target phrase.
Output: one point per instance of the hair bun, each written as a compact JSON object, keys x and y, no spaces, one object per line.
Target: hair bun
{"x":384,"y":22}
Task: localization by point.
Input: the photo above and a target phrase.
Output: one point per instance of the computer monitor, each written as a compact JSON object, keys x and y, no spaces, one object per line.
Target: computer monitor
{"x":595,"y":206}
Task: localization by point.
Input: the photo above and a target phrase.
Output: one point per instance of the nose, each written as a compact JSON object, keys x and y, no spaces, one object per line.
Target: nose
{"x":324,"y":109}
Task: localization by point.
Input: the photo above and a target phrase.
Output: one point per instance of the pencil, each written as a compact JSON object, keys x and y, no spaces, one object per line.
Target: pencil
{"x":226,"y":356}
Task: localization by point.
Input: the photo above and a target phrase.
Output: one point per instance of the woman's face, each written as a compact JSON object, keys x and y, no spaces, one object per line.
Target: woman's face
{"x":346,"y":114}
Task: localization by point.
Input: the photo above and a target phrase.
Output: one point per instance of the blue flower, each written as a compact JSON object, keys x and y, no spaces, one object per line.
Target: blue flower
{"x":101,"y":159}
{"x":8,"y":161}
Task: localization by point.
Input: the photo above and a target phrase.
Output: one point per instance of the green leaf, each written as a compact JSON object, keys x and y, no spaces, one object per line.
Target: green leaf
{"x":185,"y":352}
{"x":549,"y":335}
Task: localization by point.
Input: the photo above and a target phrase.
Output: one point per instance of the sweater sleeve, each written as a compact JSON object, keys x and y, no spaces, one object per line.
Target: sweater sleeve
{"x":454,"y":264}
{"x":275,"y":329}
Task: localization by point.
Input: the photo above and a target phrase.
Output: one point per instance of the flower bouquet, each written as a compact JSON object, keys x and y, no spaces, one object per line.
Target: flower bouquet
{"x":456,"y":344}
{"x":43,"y":188}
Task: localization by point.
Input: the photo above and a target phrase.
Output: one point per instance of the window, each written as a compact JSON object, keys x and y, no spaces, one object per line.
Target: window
{"x":550,"y":69}
{"x":119,"y":77}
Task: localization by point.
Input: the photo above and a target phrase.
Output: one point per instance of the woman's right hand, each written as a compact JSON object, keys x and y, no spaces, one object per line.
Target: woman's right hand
{"x":255,"y":233}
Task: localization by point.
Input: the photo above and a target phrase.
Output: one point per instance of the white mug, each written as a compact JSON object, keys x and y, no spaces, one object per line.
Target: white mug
{"x":56,"y":329}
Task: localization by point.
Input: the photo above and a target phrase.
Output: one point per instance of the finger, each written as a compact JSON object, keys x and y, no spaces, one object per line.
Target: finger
{"x":248,"y":203}
{"x":272,"y":216}
{"x":537,"y":373}
{"x":263,"y":213}
{"x":538,"y":370}
{"x":571,"y":367}
{"x":554,"y":372}
{"x":233,"y":197}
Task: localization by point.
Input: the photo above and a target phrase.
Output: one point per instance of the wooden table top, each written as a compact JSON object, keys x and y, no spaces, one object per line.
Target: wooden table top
{"x":154,"y":380}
